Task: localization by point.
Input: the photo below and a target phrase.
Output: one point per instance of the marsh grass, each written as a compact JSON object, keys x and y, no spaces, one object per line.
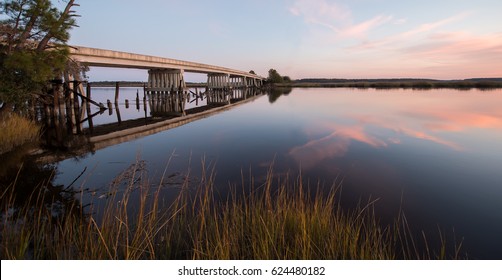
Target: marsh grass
{"x":281,"y":218}
{"x":17,"y":130}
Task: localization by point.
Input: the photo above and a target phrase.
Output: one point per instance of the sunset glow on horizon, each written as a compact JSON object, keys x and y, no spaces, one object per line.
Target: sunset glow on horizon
{"x":306,"y":38}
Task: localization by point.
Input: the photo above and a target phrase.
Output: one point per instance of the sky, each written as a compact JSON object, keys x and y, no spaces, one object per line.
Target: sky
{"x":440,"y":39}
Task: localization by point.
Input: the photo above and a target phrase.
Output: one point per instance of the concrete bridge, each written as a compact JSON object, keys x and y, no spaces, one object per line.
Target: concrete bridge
{"x":165,"y":74}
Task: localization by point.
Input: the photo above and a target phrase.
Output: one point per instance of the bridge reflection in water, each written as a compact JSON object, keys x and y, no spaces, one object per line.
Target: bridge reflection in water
{"x":72,"y":124}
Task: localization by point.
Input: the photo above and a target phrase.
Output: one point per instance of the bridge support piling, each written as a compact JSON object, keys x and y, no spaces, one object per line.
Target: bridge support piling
{"x":217,"y":81}
{"x":163,"y":80}
{"x":238,"y":81}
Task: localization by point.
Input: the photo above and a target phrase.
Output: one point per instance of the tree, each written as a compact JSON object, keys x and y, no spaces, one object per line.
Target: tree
{"x":252,"y":72}
{"x":33,"y":47}
{"x":274,"y":77}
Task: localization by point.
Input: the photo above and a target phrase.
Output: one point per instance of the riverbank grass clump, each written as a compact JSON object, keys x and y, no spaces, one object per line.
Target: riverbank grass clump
{"x":277,"y":219}
{"x":16,"y":131}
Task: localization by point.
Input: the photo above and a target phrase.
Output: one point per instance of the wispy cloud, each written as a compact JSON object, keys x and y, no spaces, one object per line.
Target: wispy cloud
{"x":427,"y":27}
{"x":383,"y":45}
{"x":435,"y":120}
{"x":336,"y":144}
{"x":459,"y":53}
{"x":434,"y":50}
{"x":336,"y":17}
{"x":361,"y":29}
{"x":404,"y":37}
{"x":458,"y":45}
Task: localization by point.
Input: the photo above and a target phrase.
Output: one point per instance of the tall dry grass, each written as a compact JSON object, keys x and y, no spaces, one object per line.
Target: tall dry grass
{"x":279,"y":219}
{"x":17,"y":130}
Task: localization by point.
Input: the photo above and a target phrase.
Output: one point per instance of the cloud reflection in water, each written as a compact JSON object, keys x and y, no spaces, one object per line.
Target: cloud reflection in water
{"x":393,"y":119}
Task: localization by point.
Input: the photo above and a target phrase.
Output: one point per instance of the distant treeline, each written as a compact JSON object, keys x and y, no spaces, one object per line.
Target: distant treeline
{"x":121,"y":84}
{"x":398,"y":83}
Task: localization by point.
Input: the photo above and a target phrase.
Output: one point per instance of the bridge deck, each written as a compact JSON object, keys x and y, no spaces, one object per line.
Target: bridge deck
{"x":116,"y":59}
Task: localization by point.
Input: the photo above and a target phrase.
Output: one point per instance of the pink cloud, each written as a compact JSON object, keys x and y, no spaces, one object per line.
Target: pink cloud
{"x":426,"y":136}
{"x":333,"y":145}
{"x":427,"y":27}
{"x":317,"y":150}
{"x":396,"y":117}
{"x":338,"y":142}
{"x":335,"y":17}
{"x":457,"y":121}
{"x":361,"y":29}
{"x":459,"y":46}
{"x":427,"y":121}
{"x":427,"y":51}
{"x":400,"y":127}
{"x":459,"y":54}
{"x":403,"y":37}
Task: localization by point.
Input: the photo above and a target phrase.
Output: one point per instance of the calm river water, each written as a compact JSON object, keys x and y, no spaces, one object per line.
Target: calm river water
{"x":437,"y":154}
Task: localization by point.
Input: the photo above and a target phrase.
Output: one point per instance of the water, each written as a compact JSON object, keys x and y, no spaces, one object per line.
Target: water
{"x":135,"y":108}
{"x":435,"y":154}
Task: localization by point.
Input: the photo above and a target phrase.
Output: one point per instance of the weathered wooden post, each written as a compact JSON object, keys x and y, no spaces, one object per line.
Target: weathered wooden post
{"x":76,"y":107}
{"x":110,"y":107}
{"x":88,"y":93}
{"x":116,"y":92}
{"x":89,"y":117}
{"x":144,"y":103}
{"x":59,"y":110}
{"x":117,"y":110}
{"x":68,"y":106}
{"x":137,"y":100}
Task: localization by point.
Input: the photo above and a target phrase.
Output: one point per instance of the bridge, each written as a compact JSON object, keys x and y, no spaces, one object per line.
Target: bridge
{"x":164,"y":74}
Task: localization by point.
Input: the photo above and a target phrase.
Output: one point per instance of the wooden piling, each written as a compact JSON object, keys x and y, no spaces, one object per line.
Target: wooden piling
{"x":89,"y":116}
{"x":76,"y":107}
{"x":117,"y":111}
{"x":137,"y":100}
{"x":68,"y":108}
{"x":75,"y":96}
{"x":144,"y":103}
{"x":117,"y":92}
{"x":88,"y":93}
{"x":110,"y":107}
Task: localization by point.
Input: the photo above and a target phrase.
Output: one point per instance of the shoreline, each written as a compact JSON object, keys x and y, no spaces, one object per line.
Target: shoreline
{"x":354,"y":83}
{"x":397,"y":83}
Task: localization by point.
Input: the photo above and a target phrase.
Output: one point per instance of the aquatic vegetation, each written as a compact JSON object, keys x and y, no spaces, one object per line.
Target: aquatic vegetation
{"x":281,"y":218}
